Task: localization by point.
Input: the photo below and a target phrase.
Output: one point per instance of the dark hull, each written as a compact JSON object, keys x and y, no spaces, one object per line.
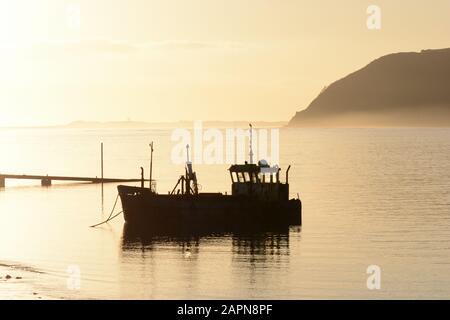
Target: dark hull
{"x":143,"y":208}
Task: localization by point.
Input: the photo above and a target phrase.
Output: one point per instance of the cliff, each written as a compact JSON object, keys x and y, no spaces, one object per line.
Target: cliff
{"x":402,"y":89}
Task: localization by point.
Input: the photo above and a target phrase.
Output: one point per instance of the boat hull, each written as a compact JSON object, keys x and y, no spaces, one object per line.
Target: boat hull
{"x":141,"y":207}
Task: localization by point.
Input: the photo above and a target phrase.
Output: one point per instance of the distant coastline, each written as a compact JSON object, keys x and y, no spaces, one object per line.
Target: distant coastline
{"x":156,"y":125}
{"x":177,"y":124}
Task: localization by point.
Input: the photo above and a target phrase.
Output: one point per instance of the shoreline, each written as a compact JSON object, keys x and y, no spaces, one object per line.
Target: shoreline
{"x":18,"y":284}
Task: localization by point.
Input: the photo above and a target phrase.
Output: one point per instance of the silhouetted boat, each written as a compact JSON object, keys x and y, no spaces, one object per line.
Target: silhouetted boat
{"x":258,"y":198}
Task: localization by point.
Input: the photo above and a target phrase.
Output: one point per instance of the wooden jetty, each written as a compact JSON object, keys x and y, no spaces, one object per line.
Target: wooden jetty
{"x":47,"y":180}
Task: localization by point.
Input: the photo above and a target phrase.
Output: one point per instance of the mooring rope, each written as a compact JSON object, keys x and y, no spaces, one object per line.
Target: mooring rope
{"x":110,"y":215}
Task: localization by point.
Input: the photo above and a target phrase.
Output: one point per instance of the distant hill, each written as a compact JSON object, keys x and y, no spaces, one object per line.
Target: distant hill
{"x":402,"y":89}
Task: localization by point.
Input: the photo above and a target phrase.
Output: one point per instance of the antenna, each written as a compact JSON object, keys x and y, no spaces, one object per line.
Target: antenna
{"x":189,"y":173}
{"x":251,"y":143}
{"x":151,"y":164}
{"x":187,"y":153}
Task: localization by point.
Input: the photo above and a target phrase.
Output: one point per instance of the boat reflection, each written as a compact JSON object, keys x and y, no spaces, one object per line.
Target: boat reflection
{"x":270,"y":241}
{"x":160,"y":262}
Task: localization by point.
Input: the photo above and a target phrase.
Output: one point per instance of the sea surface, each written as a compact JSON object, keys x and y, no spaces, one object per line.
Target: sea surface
{"x":371,"y":197}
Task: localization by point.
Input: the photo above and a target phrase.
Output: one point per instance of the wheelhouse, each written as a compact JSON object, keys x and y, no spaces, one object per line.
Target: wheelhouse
{"x":259,"y":180}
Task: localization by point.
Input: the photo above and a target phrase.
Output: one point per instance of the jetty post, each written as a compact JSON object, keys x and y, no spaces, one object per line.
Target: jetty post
{"x":2,"y":182}
{"x":101,"y":160}
{"x":46,"y":182}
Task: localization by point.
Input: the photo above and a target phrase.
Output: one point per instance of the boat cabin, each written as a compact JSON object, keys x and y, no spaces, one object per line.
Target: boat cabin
{"x":259,"y":180}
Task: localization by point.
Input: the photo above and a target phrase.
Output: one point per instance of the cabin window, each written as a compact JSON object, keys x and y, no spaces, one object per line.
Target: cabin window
{"x":246,"y":176}
{"x":240,"y":177}
{"x":254,"y":178}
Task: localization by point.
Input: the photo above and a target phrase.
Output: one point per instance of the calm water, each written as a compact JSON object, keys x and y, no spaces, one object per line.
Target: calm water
{"x":370,"y":196}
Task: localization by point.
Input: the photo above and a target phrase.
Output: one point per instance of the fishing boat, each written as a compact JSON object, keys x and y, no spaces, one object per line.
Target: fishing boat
{"x":258,"y":198}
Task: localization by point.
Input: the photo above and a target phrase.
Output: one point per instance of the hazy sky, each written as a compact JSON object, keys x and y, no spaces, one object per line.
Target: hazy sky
{"x":170,"y":60}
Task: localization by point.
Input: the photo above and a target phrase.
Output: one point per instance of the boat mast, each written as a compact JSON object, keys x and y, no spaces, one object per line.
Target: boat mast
{"x":190,"y":176}
{"x":251,"y":144}
{"x":188,"y":172}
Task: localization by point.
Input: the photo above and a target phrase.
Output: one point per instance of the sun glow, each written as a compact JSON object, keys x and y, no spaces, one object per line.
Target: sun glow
{"x":18,"y":21}
{"x":68,"y":60}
